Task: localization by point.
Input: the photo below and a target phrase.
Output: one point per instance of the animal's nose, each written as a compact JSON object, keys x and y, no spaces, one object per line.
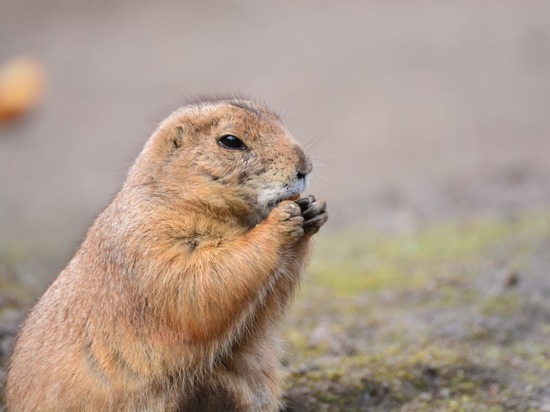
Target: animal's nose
{"x":304,"y":169}
{"x":304,"y":166}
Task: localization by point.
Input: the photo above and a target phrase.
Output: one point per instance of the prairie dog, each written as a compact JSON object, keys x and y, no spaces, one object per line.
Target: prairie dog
{"x":173,"y":300}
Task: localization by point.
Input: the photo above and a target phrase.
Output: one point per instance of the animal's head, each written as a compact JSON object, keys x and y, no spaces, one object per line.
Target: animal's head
{"x":230,"y":150}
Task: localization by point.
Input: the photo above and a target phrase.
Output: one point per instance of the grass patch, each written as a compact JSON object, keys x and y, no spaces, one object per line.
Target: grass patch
{"x":425,"y":321}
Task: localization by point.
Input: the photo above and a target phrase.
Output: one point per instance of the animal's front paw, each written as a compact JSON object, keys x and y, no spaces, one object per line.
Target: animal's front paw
{"x":314,"y":213}
{"x":288,"y":221}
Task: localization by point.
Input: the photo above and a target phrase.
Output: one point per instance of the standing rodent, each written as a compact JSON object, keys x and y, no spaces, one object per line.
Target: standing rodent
{"x":172,"y":302}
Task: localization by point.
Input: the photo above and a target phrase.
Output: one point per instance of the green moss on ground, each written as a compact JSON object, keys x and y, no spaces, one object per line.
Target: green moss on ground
{"x":455,"y":317}
{"x":452,"y":318}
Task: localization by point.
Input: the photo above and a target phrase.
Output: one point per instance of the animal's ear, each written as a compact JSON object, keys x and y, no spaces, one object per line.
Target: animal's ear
{"x":176,"y":136}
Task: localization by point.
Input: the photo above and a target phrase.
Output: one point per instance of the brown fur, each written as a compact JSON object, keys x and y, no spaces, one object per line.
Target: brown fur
{"x":172,"y":301}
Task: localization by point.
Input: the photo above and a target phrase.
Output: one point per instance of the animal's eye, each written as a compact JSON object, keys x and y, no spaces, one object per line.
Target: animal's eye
{"x":231,"y":142}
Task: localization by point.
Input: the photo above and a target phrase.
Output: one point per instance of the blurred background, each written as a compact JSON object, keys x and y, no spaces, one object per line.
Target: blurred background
{"x":412,"y":110}
{"x":415,"y":112}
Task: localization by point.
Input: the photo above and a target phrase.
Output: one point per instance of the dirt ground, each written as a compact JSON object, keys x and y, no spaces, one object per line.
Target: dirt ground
{"x":417,"y":114}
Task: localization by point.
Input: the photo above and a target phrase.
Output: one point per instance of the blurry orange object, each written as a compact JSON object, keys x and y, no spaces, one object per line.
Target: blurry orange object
{"x":22,"y":82}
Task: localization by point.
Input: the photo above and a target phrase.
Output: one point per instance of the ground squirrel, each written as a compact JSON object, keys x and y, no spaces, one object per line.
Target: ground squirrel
{"x":173,"y":300}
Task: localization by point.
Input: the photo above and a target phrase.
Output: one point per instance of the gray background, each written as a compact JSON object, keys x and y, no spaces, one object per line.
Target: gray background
{"x":414,"y":111}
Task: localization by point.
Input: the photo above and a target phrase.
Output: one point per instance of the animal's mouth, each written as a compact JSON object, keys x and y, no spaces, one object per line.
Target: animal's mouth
{"x":273,"y":203}
{"x":271,"y":197}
